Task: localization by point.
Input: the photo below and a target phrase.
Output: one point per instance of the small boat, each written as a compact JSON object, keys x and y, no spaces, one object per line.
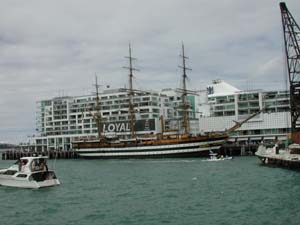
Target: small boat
{"x":29,"y":172}
{"x":213,"y":157}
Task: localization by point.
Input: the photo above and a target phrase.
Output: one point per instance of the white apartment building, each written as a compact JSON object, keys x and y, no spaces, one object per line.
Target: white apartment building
{"x":61,"y":120}
{"x":225,"y":104}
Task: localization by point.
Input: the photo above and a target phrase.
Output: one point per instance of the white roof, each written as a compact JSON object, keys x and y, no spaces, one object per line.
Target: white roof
{"x":34,"y":157}
{"x":221,"y":88}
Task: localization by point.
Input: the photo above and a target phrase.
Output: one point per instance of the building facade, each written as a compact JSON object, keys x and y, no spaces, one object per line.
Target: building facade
{"x":227,"y":104}
{"x":63,"y":119}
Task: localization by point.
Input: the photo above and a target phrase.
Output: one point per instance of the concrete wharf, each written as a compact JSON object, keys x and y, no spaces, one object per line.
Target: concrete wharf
{"x":281,"y":161}
{"x":289,"y":157}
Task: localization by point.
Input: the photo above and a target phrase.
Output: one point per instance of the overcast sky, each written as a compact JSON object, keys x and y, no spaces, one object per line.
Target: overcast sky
{"x":54,"y":47}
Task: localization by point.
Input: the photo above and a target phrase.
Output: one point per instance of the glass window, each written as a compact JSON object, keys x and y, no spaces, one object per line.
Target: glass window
{"x":243,"y":104}
{"x":230,"y":107}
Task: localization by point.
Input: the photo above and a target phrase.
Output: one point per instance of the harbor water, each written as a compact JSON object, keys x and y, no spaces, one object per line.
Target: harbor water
{"x":158,"y":191}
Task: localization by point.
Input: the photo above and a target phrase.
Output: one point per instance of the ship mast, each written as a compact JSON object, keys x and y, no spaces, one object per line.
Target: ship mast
{"x":131,"y":93}
{"x":185,"y":104}
{"x":97,"y":116}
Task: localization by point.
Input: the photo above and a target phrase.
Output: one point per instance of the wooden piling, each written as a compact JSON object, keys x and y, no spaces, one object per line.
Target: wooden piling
{"x":53,"y":154}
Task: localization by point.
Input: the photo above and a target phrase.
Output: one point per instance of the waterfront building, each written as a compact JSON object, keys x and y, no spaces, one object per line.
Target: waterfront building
{"x":223,"y":104}
{"x":63,"y":119}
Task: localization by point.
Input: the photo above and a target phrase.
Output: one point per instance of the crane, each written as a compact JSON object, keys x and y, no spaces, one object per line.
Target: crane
{"x":291,"y":35}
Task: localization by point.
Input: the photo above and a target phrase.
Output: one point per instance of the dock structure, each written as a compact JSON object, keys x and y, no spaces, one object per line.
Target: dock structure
{"x":16,"y":154}
{"x":289,"y":158}
{"x":281,"y":161}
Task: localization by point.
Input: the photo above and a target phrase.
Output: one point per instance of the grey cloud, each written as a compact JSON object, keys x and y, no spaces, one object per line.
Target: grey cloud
{"x":50,"y":48}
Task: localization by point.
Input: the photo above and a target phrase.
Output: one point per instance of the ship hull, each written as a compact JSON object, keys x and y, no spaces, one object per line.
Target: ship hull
{"x":174,"y":150}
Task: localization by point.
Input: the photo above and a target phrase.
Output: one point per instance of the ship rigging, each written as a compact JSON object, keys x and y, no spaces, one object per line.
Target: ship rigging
{"x":182,"y":144}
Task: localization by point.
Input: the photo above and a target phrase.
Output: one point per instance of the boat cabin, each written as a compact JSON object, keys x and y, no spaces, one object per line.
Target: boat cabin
{"x":32,"y":164}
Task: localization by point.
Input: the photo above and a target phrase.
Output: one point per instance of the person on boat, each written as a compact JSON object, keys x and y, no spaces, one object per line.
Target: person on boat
{"x":33,"y":165}
{"x":23,"y":164}
{"x":19,"y":165}
{"x":43,"y":166}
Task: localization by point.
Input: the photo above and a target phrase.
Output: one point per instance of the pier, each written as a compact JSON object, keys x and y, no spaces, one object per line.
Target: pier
{"x":16,"y":154}
{"x":290,"y":161}
{"x":237,"y":149}
{"x":289,"y":157}
{"x":293,"y":163}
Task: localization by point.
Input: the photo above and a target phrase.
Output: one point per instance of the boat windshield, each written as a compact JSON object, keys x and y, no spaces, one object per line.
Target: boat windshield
{"x":21,"y":161}
{"x":22,"y":164}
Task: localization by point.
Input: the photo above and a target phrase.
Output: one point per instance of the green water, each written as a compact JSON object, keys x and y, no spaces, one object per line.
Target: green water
{"x":164,"y":191}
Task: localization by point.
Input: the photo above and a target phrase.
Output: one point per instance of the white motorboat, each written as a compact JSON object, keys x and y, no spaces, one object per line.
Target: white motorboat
{"x":213,"y":157}
{"x":29,"y":172}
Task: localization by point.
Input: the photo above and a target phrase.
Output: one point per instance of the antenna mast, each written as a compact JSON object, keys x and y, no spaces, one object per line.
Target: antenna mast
{"x":185,"y":104}
{"x":291,"y":34}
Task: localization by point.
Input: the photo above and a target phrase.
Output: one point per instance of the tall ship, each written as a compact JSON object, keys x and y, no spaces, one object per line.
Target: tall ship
{"x":162,"y":145}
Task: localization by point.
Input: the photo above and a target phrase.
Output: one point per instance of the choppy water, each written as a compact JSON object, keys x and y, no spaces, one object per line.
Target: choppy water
{"x":166,"y":191}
